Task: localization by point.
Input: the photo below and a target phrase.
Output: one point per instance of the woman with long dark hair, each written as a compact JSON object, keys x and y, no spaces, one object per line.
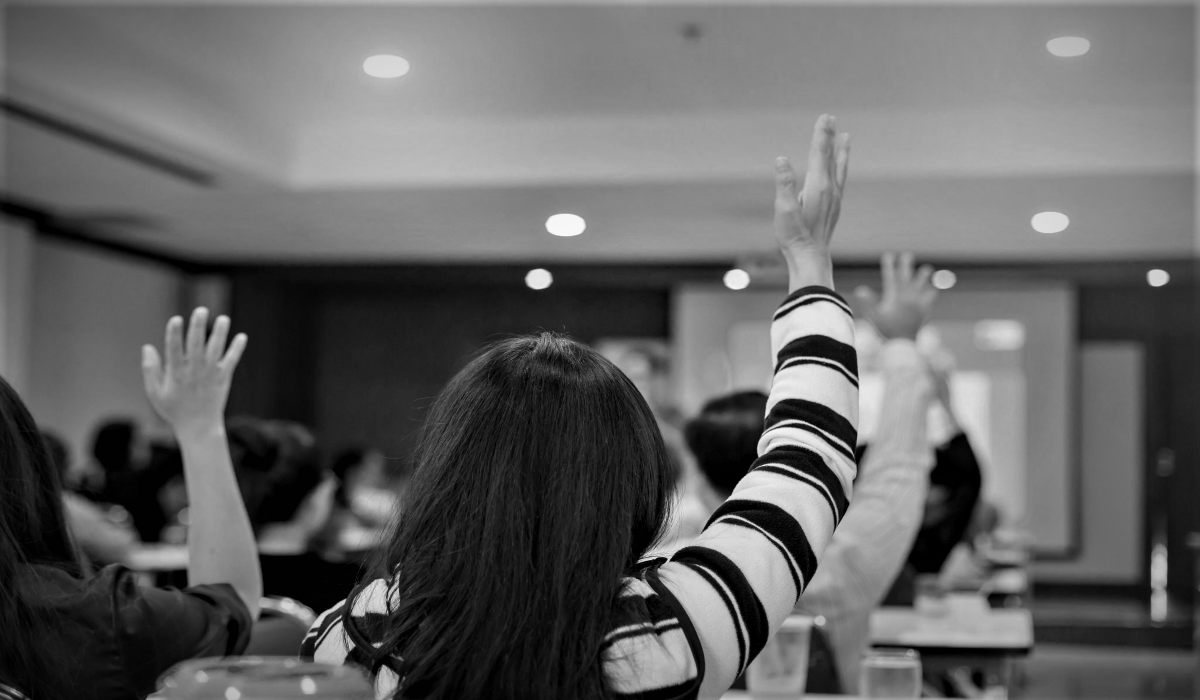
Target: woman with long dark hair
{"x":514,"y":569}
{"x":65,"y":634}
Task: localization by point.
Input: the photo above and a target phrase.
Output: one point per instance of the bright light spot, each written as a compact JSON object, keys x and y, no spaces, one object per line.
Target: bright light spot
{"x":539,"y":278}
{"x":232,"y":693}
{"x":1068,"y":46}
{"x":999,"y":334}
{"x":565,"y":225}
{"x":944,"y":279}
{"x":819,"y":620}
{"x":1050,"y":222}
{"x":385,"y":66}
{"x":1157,"y":278}
{"x":737,"y":279}
{"x":201,"y":677}
{"x":308,"y":686}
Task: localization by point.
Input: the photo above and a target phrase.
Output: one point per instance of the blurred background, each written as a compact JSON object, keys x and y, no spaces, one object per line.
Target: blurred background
{"x":372,"y":223}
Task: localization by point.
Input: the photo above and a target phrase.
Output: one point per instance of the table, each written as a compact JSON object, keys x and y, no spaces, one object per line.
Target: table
{"x":158,"y":558}
{"x":987,"y":640}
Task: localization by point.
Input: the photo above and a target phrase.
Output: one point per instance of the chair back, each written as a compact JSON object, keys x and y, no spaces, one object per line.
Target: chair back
{"x":280,"y":628}
{"x":262,"y":678}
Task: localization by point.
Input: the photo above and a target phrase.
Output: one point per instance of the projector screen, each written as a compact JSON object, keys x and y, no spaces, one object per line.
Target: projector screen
{"x":1013,"y":384}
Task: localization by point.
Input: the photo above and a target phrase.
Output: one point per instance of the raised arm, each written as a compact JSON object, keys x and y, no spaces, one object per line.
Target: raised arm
{"x":741,"y":577}
{"x":189,"y":392}
{"x":872,"y":542}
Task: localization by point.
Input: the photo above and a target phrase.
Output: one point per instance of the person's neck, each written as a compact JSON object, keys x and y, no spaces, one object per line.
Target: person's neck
{"x":282,"y":538}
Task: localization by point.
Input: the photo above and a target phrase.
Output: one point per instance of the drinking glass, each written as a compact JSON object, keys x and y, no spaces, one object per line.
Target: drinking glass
{"x":890,"y":673}
{"x":781,"y":669}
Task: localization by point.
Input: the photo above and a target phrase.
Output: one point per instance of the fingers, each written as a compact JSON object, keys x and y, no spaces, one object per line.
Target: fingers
{"x":234,"y":354}
{"x":216,"y":342}
{"x":820,"y":167}
{"x":786,"y":194}
{"x":905,"y":271}
{"x":921,"y":280}
{"x":887,"y":268}
{"x":195,"y":334}
{"x":842,"y":160}
{"x":151,"y":369}
{"x":173,"y":343}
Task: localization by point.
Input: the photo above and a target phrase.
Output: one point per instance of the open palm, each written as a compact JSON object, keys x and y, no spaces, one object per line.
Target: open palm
{"x":190,"y":390}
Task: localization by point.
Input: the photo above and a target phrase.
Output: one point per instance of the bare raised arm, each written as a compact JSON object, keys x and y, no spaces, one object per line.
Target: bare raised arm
{"x":189,"y":391}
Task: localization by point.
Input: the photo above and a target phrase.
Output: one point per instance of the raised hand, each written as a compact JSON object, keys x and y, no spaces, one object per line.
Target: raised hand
{"x":190,"y":391}
{"x":907,"y":301}
{"x":805,"y":216}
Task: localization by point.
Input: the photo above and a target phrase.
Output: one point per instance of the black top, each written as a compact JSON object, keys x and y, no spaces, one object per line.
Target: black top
{"x":123,"y":636}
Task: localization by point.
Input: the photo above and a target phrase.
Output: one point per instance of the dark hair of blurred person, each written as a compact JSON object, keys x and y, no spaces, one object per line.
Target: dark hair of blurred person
{"x":33,"y":531}
{"x":289,"y":498}
{"x":724,"y":438}
{"x":133,"y":473}
{"x":101,"y":540}
{"x":577,"y":487}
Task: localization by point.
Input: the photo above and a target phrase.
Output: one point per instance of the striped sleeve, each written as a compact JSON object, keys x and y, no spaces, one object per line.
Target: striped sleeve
{"x":741,"y":577}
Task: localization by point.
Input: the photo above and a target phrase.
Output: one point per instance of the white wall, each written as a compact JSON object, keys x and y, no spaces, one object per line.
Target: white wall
{"x":1111,"y":431}
{"x":91,"y":313}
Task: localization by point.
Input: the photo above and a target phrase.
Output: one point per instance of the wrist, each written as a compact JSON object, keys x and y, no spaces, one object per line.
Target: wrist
{"x":808,"y":265}
{"x":197,"y":430}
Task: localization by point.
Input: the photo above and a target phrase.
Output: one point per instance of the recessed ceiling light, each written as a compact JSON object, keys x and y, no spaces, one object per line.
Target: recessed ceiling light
{"x":1050,"y":222}
{"x":737,"y":279}
{"x":538,"y":278}
{"x":1157,"y":278}
{"x":1068,"y":46}
{"x":385,"y":66}
{"x":944,"y":279}
{"x":565,"y":225}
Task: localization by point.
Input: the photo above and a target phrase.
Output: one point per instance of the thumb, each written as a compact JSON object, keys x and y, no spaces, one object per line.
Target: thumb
{"x":151,"y":370}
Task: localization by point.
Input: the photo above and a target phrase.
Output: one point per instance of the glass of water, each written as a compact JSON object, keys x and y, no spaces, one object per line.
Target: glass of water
{"x":781,"y":668}
{"x":890,"y":673}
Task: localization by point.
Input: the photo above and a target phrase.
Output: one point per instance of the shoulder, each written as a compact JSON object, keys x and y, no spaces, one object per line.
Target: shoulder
{"x":345,"y":627}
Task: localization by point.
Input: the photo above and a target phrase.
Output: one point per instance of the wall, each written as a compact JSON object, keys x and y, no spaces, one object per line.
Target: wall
{"x":1041,"y":495}
{"x":16,"y":256}
{"x":91,"y":313}
{"x":362,"y":362}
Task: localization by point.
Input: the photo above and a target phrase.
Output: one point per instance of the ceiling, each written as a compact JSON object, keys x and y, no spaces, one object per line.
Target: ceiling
{"x":963,"y":126}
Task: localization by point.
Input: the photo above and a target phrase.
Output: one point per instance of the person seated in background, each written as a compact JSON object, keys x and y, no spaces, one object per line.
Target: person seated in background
{"x":102,"y":540}
{"x":131,"y":472}
{"x":68,"y":634}
{"x":954,"y":495}
{"x":363,"y":488}
{"x":289,"y":498}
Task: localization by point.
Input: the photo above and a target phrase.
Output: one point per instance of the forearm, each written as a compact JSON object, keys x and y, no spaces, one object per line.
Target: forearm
{"x":221,"y":545}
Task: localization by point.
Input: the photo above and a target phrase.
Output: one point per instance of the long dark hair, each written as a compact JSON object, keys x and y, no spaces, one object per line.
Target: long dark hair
{"x":540,"y":479}
{"x":33,"y":530}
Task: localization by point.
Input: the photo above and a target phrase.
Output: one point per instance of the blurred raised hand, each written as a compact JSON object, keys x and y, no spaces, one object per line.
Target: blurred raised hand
{"x":190,"y":390}
{"x":907,"y":300}
{"x":806,"y":215}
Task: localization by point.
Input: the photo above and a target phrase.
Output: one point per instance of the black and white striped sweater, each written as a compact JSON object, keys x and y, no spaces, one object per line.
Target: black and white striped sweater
{"x":690,"y":625}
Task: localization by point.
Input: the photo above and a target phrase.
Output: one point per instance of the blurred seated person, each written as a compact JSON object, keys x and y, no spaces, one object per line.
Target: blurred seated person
{"x":131,"y":472}
{"x":954,"y":489}
{"x":289,"y":498}
{"x":363,"y":489}
{"x":869,"y":545}
{"x":102,"y":539}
